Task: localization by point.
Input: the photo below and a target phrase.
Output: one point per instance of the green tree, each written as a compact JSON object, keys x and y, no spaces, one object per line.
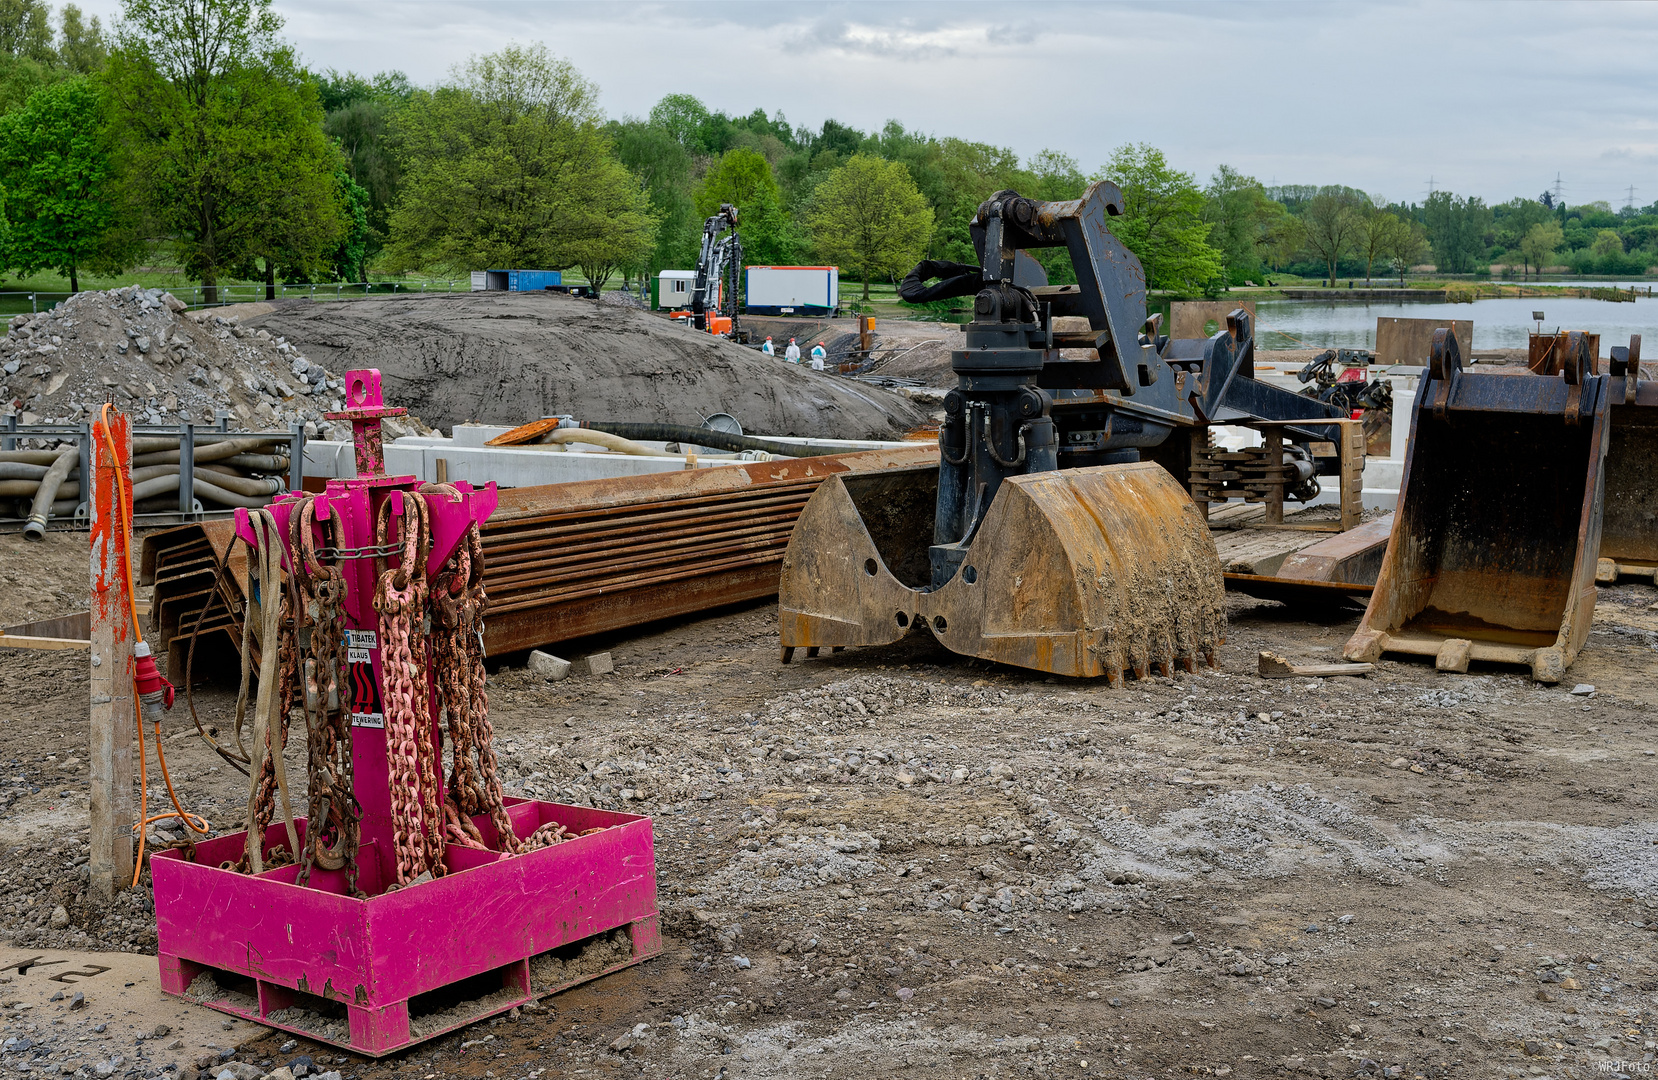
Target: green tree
{"x":1607,"y":242}
{"x":358,"y":115}
{"x":350,"y":258}
{"x":60,"y":192}
{"x":664,"y":167}
{"x":744,"y":179}
{"x":27,"y":58}
{"x":26,"y":31}
{"x":1513,"y":219}
{"x":1376,"y":235}
{"x":1405,"y":245}
{"x":1539,"y":244}
{"x":509,"y":167}
{"x":1162,"y":220}
{"x":297,"y":217}
{"x":869,"y":216}
{"x":1456,"y":229}
{"x":683,"y":118}
{"x":1332,"y":220}
{"x":82,"y":48}
{"x":1244,"y":222}
{"x":215,"y":121}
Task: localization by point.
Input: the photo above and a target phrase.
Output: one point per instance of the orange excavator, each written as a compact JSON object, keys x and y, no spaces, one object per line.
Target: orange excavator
{"x":713,"y":306}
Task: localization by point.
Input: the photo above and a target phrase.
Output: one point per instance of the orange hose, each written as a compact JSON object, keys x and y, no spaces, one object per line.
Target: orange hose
{"x":125,"y":551}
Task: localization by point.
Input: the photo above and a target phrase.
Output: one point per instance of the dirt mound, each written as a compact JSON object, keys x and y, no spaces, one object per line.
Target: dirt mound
{"x":506,"y":358}
{"x":141,"y":349}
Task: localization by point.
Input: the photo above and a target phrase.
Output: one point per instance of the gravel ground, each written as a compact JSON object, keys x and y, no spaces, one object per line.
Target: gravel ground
{"x":900,"y":862}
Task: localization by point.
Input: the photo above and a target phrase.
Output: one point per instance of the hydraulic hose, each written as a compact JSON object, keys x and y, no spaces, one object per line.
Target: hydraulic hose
{"x":47,"y":493}
{"x":957,"y":279}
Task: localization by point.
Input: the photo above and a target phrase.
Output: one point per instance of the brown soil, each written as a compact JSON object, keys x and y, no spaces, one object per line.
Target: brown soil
{"x":508,"y":358}
{"x":935,"y":867}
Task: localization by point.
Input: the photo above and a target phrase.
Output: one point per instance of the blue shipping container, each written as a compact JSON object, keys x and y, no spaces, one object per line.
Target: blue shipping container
{"x":523,"y":280}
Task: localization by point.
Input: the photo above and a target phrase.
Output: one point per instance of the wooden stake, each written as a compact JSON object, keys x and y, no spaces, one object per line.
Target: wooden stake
{"x":112,"y":713}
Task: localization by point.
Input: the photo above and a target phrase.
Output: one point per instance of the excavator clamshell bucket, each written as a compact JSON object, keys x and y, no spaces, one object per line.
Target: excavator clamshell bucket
{"x":1085,"y":572}
{"x":1493,"y":551}
{"x":1629,"y":527}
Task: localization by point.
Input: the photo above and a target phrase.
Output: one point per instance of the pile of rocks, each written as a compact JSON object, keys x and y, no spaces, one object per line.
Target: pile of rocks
{"x":157,"y":362}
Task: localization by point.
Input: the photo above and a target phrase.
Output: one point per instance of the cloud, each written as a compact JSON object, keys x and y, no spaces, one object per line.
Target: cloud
{"x":1490,"y":99}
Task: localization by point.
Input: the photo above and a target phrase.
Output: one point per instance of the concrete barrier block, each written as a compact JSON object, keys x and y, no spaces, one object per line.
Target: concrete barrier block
{"x":548,"y":666}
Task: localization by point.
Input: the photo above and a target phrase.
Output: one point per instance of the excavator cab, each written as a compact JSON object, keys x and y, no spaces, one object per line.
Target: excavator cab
{"x":1042,"y":539}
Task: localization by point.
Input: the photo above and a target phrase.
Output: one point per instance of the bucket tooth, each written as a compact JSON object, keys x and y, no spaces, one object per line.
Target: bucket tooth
{"x":1494,"y":546}
{"x":1083,"y":572}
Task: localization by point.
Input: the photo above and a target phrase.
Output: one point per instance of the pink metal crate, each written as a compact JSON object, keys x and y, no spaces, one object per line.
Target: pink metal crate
{"x":380,"y":974}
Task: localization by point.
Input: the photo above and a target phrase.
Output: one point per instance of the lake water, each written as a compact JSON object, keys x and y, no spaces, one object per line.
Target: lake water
{"x":1498,"y":324}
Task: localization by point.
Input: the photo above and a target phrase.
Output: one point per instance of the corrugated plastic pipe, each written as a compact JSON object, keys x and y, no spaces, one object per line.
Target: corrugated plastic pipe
{"x":47,"y":493}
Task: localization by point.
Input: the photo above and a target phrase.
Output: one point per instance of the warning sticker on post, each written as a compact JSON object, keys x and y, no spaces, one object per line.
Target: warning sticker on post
{"x":360,"y":647}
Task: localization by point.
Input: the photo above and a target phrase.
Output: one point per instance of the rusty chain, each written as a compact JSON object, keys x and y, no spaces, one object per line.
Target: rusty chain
{"x":411,"y":757}
{"x":334,"y":815}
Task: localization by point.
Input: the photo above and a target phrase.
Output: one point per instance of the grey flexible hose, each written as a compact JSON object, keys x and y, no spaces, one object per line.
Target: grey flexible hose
{"x":27,"y":488}
{"x":47,"y":493}
{"x":30,"y":457}
{"x":206,"y":489}
{"x":211,"y":452}
{"x":19,"y":470}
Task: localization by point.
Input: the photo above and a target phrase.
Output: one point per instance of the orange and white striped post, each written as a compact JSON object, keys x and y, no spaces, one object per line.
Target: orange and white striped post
{"x":112,"y":714}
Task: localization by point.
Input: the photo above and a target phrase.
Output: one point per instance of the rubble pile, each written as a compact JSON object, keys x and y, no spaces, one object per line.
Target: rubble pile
{"x":161,"y":364}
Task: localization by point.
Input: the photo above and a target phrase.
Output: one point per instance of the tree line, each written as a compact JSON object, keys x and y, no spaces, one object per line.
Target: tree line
{"x":191,"y":131}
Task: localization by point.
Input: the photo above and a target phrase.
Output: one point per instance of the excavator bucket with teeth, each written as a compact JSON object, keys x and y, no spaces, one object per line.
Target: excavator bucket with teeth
{"x":1086,"y":572}
{"x":1041,"y":539}
{"x":1494,"y":545}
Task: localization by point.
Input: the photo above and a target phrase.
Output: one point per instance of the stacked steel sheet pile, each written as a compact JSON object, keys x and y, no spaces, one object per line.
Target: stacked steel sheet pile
{"x":562,"y":561}
{"x":567,"y":560}
{"x":229,"y":471}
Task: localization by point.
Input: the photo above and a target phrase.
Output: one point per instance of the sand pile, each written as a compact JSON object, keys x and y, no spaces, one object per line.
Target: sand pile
{"x":507,"y":358}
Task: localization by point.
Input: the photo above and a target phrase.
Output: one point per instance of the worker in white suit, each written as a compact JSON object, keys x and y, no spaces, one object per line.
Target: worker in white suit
{"x":819,"y":355}
{"x":767,"y":348}
{"x":792,"y":353}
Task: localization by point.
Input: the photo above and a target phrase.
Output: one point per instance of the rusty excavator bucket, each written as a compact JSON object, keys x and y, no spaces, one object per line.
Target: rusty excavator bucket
{"x":1041,"y":539}
{"x":1629,"y":527}
{"x":1495,"y":542}
{"x":1086,"y":572}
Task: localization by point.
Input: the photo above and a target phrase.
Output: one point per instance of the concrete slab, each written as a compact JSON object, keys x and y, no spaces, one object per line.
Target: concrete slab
{"x":122,"y":992}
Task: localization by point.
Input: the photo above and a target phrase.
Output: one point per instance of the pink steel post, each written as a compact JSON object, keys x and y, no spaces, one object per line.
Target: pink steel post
{"x":361,"y":973}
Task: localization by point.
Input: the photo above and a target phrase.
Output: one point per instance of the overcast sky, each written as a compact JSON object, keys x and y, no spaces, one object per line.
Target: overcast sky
{"x":1489,"y":99}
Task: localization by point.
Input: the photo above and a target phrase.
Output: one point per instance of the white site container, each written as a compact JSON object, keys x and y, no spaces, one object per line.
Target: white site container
{"x":792,"y":290}
{"x":673,"y":289}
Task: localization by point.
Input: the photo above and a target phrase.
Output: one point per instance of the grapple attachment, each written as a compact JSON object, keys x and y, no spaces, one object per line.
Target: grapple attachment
{"x":1493,"y":551}
{"x":1085,"y":572}
{"x":1629,"y":527}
